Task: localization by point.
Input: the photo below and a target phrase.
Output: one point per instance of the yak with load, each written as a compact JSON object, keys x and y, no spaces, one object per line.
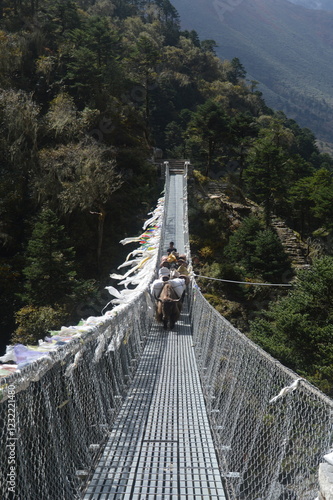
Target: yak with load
{"x":169,"y":296}
{"x":168,"y":307}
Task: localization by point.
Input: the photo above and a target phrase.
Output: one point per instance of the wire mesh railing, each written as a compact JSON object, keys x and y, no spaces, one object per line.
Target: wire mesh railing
{"x":270,"y":441}
{"x":57,"y":411}
{"x":52,"y":421}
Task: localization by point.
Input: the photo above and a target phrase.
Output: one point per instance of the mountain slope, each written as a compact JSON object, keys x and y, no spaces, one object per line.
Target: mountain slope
{"x":314,"y":4}
{"x":286,"y":47}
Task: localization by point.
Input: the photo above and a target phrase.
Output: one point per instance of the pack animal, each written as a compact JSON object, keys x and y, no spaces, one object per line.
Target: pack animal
{"x":168,"y":307}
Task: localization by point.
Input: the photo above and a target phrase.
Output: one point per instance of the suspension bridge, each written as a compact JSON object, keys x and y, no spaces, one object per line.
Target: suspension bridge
{"x":118,"y":408}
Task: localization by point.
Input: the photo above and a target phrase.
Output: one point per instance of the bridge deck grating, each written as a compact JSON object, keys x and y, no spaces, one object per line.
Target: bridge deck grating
{"x":161,"y":446}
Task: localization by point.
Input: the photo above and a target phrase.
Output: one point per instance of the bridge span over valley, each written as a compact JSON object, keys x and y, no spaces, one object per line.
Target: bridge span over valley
{"x":122,"y":409}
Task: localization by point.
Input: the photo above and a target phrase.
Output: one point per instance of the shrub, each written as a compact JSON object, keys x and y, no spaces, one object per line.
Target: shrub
{"x":34,"y":323}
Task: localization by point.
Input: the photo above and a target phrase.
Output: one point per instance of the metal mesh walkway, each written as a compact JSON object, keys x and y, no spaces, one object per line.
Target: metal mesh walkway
{"x":161,"y":445}
{"x":174,"y":227}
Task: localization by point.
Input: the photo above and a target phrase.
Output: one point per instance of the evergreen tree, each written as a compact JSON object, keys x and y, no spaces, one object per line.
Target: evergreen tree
{"x":89,"y":57}
{"x":241,"y":245}
{"x":301,"y":204}
{"x":298,"y":328}
{"x":237,"y":72}
{"x":50,"y":272}
{"x":265,"y":175}
{"x":269,"y":257}
{"x":210,"y":129}
{"x":322,"y":197}
{"x":258,"y":251}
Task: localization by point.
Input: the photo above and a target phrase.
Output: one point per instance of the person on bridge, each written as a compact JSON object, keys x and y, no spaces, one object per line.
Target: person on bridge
{"x":164,"y":270}
{"x":171,"y":248}
{"x":182,"y":267}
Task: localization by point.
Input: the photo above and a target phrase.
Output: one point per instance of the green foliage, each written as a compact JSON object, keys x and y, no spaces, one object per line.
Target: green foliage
{"x":237,"y":72}
{"x":265,"y":174}
{"x":66,"y":175}
{"x":50,"y":273}
{"x":34,"y":323}
{"x":10,"y":57}
{"x":280,"y":172}
{"x":322,"y":197}
{"x":208,"y":226}
{"x":91,"y":58}
{"x":257,"y":251}
{"x":209,"y":129}
{"x":10,"y":283}
{"x":298,"y":329}
{"x":18,"y":114}
{"x":211,"y":287}
{"x":208,"y":45}
{"x":243,"y":237}
{"x":311,"y":198}
{"x":62,"y":118}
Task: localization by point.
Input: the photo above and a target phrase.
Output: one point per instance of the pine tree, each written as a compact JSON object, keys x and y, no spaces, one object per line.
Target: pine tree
{"x":258,"y":251}
{"x":298,"y":329}
{"x":210,"y":128}
{"x":49,"y":273}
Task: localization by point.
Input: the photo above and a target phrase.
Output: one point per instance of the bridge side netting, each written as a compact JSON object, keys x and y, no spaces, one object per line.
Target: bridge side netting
{"x":268,"y":450}
{"x":62,"y":417}
{"x":56,"y":412}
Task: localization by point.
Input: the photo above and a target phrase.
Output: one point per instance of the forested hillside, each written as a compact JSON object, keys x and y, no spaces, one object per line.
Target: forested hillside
{"x":285,"y":48}
{"x":88,"y":89}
